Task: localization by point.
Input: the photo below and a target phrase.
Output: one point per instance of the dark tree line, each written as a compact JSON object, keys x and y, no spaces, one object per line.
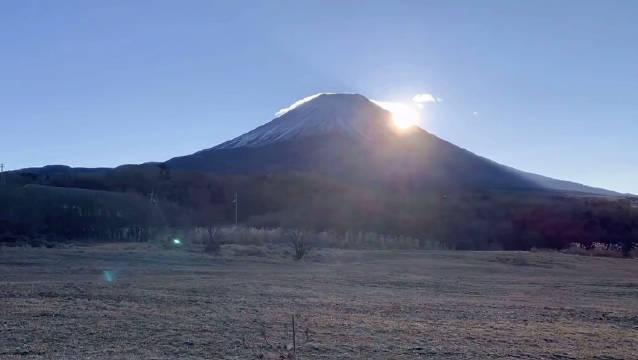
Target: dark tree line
{"x":133,"y":203}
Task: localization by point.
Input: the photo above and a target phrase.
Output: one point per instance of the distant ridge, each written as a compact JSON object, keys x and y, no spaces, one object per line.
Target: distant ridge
{"x":568,"y":186}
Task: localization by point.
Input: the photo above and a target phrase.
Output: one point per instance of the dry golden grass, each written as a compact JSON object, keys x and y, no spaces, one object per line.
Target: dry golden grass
{"x":56,"y":304}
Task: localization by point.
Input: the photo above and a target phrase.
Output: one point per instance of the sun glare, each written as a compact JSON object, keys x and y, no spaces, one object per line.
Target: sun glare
{"x":404,"y":116}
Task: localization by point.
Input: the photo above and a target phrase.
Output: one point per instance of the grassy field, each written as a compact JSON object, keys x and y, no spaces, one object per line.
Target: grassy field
{"x":136,"y":301}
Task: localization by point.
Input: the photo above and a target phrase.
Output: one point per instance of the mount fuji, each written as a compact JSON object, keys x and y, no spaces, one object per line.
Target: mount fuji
{"x":350,"y":137}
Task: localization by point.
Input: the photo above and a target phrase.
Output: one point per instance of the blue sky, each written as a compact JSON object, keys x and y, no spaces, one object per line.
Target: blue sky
{"x":545,"y":86}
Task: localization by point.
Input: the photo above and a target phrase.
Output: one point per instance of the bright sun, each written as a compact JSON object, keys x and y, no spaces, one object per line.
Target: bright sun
{"x":404,"y":116}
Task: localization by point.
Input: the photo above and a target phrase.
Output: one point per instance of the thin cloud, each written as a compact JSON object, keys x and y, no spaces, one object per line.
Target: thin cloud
{"x":425,"y":98}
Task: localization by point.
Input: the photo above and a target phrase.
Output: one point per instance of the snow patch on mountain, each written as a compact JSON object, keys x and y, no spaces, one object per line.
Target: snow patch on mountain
{"x":320,"y":114}
{"x":297,"y":103}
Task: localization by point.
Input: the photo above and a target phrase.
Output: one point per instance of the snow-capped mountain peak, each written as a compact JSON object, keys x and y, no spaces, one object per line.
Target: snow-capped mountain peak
{"x":319,"y":114}
{"x":362,"y":144}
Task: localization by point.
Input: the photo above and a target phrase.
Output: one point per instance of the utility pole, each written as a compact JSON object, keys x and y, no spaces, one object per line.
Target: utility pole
{"x":2,"y":179}
{"x":236,"y":202}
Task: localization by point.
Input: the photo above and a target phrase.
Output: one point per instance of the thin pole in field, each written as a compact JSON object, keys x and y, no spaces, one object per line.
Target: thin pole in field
{"x":294,"y":337}
{"x":236,"y":202}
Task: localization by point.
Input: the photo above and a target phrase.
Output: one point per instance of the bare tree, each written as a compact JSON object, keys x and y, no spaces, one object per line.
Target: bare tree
{"x":297,"y":241}
{"x":212,"y":245}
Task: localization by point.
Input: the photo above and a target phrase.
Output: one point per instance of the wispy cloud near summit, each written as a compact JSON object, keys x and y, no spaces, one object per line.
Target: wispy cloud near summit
{"x":425,"y":98}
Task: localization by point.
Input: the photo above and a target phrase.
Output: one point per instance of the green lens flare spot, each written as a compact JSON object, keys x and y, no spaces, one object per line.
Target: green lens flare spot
{"x":109,"y":276}
{"x":177,"y":242}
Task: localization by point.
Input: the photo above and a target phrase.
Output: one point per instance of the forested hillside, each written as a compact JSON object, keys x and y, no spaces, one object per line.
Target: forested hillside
{"x":135,"y":203}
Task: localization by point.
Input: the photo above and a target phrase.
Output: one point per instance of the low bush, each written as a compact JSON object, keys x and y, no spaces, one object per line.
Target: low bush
{"x":247,"y":250}
{"x":596,"y":250}
{"x":298,"y":242}
{"x":212,"y":244}
{"x":243,"y":235}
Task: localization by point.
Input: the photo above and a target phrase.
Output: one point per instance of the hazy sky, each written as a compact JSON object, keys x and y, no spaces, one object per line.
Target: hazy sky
{"x":548,"y":87}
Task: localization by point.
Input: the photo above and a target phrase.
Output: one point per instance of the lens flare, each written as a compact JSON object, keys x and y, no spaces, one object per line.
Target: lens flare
{"x":404,"y":116}
{"x":109,"y":276}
